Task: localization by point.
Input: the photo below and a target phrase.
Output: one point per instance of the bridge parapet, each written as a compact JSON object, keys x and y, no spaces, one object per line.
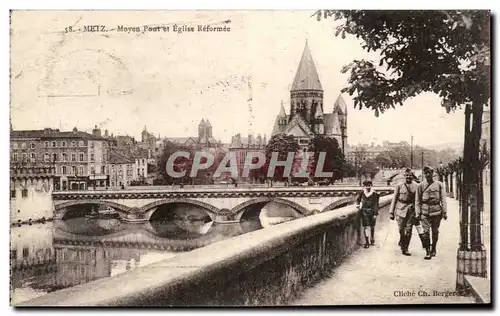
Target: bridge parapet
{"x":215,"y":193}
{"x":264,"y":267}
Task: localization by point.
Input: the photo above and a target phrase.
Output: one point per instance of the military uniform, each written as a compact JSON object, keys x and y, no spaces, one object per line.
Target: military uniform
{"x":403,"y":205}
{"x":430,"y":207}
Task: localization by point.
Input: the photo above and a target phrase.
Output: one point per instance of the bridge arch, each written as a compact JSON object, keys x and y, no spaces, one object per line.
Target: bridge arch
{"x":239,"y":209}
{"x":338,"y":203}
{"x":62,"y":209}
{"x":150,"y":208}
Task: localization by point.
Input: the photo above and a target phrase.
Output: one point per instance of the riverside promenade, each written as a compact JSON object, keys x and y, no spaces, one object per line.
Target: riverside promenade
{"x":382,"y":275}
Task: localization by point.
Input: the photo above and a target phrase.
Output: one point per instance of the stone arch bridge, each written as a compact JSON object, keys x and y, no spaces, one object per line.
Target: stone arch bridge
{"x":222,"y":205}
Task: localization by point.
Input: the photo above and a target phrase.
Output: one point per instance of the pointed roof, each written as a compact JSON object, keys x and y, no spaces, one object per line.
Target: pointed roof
{"x":202,"y":123}
{"x":282,"y":113}
{"x":208,"y":123}
{"x":306,"y":77}
{"x":340,"y":105}
{"x":297,"y":120}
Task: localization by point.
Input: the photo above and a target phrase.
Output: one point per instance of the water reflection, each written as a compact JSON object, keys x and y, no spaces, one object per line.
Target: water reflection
{"x":64,"y":253}
{"x":60,"y":254}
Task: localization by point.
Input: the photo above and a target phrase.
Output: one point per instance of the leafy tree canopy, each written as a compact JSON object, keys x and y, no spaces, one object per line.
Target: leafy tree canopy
{"x":445,"y":52}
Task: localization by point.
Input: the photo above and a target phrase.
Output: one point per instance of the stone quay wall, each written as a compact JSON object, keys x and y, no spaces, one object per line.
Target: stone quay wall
{"x":267,"y":267}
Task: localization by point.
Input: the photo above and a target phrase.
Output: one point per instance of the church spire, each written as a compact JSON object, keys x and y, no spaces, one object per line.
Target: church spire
{"x":340,"y":105}
{"x":282,"y":113}
{"x":307,"y":77}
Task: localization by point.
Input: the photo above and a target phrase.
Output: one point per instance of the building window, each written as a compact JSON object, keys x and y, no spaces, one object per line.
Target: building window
{"x":73,"y":169}
{"x":14,"y":145}
{"x":81,"y":156}
{"x":24,"y":157}
{"x":81,"y":170}
{"x":103,"y":169}
{"x":73,"y":144}
{"x":23,"y":145}
{"x":91,"y":157}
{"x":53,"y":144}
{"x":14,"y":157}
{"x":112,"y":183}
{"x":13,"y":194}
{"x":33,"y":157}
{"x":64,"y":156}
{"x":24,"y":193}
{"x":73,"y":157}
{"x":63,"y":144}
{"x":54,"y":157}
{"x":120,"y":173}
{"x":81,"y":143}
{"x":32,"y":145}
{"x":46,"y":157}
{"x":26,"y":252}
{"x":138,"y":171}
{"x":63,"y":169}
{"x":46,"y":144}
{"x":142,"y":161}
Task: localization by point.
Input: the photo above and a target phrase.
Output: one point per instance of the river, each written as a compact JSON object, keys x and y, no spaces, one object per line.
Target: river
{"x":64,"y":253}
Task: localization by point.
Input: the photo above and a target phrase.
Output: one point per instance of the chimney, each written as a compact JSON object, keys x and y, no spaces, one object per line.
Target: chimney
{"x":75,"y":129}
{"x":96,"y":132}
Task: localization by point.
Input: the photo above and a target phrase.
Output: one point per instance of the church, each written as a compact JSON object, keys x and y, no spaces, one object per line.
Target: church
{"x":306,"y":117}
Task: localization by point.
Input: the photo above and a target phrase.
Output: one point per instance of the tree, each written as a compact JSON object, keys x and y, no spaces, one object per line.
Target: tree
{"x":369,"y":168}
{"x":180,"y":164}
{"x":334,"y":159}
{"x":400,"y":156}
{"x":444,"y":52}
{"x":282,"y":144}
{"x":384,"y":160}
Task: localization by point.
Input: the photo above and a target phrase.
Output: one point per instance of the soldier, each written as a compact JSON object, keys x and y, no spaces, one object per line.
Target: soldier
{"x":403,"y":202}
{"x":367,"y":203}
{"x":430,"y":208}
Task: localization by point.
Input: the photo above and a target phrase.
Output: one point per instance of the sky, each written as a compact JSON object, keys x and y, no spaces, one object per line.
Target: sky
{"x":169,"y":81}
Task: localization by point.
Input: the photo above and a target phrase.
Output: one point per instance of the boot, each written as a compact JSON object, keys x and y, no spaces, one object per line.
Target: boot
{"x":367,"y":244}
{"x":373,"y":235}
{"x":427,"y":248}
{"x":427,"y":253}
{"x":404,"y":247}
{"x":422,"y":240}
{"x":400,"y":242}
{"x":434,"y":243}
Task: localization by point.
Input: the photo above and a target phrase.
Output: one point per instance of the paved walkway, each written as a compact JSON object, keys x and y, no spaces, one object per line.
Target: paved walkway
{"x":380,"y":274}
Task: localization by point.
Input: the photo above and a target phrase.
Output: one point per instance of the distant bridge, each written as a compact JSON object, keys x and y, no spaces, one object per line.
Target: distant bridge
{"x":221,"y":204}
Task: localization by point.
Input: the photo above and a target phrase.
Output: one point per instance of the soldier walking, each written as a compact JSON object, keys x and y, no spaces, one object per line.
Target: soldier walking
{"x":367,"y":203}
{"x":430,"y":208}
{"x":403,"y":204}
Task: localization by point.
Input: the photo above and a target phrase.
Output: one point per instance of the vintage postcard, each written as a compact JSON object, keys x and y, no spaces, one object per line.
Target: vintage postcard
{"x":249,"y":158}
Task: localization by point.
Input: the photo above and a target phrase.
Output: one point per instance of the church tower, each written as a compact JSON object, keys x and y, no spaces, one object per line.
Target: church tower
{"x":208,"y":128}
{"x":202,"y":136}
{"x":340,"y":111}
{"x":306,"y":95}
{"x":319,"y":126}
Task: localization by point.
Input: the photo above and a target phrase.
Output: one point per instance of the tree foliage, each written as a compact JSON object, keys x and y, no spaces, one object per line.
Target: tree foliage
{"x":282,"y":144}
{"x":180,"y":164}
{"x":445,"y":52}
{"x":369,"y":168}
